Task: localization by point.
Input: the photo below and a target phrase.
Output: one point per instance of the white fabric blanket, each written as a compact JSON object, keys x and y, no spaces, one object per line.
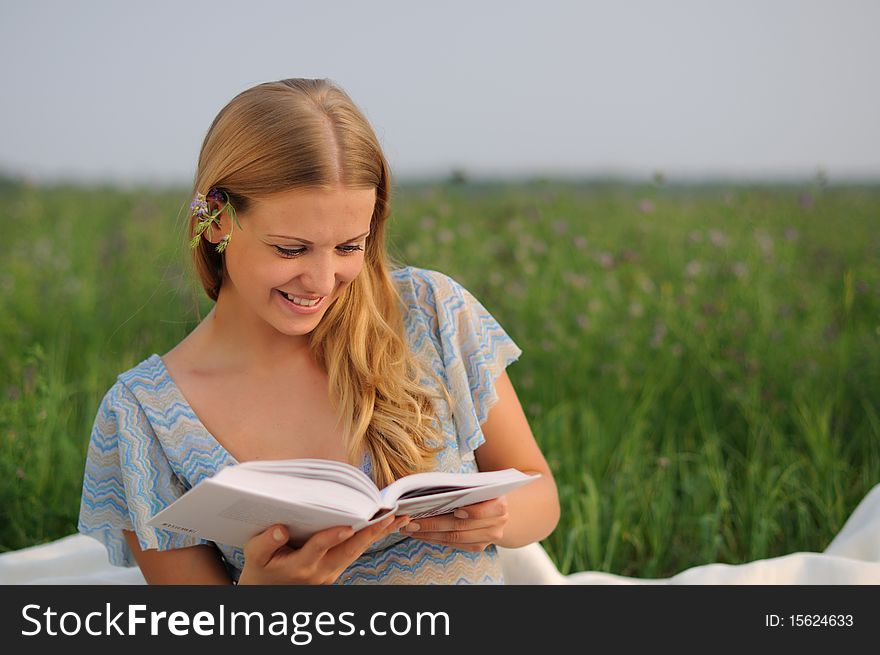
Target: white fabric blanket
{"x":853,"y":557}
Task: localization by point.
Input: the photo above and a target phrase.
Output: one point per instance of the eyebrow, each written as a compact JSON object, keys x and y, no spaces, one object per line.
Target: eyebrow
{"x":306,"y":241}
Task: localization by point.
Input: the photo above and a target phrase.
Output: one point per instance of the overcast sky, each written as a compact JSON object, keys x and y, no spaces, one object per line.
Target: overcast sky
{"x":122,"y":91}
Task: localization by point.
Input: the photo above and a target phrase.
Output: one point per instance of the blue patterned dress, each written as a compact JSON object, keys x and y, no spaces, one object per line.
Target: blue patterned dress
{"x":148,"y":447}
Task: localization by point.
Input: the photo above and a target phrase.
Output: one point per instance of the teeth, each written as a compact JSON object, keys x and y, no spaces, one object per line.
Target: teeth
{"x":301,"y":301}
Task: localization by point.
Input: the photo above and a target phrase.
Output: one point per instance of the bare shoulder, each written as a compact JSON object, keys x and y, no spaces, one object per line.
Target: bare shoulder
{"x":186,"y":355}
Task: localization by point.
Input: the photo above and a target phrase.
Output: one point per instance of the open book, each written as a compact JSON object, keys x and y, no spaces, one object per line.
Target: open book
{"x":309,"y":495}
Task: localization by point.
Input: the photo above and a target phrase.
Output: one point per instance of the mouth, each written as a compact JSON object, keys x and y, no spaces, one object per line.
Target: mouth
{"x":303,"y":301}
{"x":301,"y":305}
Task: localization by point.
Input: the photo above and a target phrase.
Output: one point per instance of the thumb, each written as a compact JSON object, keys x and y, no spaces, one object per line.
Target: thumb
{"x":261,"y":547}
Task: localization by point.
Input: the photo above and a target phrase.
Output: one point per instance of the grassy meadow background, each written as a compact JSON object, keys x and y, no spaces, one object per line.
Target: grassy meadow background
{"x":701,"y":364}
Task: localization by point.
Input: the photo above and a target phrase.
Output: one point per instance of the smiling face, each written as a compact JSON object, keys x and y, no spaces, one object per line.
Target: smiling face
{"x":308,"y":243}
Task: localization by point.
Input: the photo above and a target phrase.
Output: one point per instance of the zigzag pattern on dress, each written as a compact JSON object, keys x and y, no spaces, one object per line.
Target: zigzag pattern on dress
{"x":148,"y":446}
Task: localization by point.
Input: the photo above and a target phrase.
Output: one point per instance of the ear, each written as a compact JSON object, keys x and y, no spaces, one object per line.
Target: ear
{"x":216,"y":232}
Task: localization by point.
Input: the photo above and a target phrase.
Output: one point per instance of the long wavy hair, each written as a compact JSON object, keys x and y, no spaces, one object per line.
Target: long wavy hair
{"x":307,"y":133}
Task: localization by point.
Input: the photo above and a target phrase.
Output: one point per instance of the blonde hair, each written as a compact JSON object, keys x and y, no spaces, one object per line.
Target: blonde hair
{"x":305,"y":133}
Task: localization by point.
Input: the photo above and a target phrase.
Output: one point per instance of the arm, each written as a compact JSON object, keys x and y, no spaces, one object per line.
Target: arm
{"x":533,"y":510}
{"x":194,"y":565}
{"x":521,"y":517}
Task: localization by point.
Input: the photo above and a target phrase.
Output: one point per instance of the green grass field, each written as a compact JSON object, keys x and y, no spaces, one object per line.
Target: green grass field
{"x":701,"y":365}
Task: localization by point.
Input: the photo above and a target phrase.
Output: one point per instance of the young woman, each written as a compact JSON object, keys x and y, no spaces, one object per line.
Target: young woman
{"x":316,"y":347}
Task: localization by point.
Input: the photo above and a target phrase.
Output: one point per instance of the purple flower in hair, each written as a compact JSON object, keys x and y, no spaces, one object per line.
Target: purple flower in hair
{"x":200,"y":211}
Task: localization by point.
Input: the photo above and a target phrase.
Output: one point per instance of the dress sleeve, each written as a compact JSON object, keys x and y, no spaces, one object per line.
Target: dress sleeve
{"x":127,"y":479}
{"x":475,"y":349}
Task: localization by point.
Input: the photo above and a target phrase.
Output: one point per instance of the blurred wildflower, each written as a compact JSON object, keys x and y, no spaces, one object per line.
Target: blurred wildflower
{"x":72,"y":286}
{"x":539,"y":247}
{"x":496,"y":279}
{"x":696,"y":236}
{"x":580,"y":242}
{"x":646,"y":206}
{"x":636,"y":309}
{"x":646,"y":284}
{"x":583,"y":322}
{"x":628,"y":256}
{"x":575,"y":280}
{"x":831,"y":332}
{"x":560,"y":227}
{"x":547,"y":345}
{"x":28,"y":375}
{"x":765,"y":242}
{"x":740,"y":269}
{"x":445,"y":236}
{"x":791,"y":234}
{"x":605,"y":259}
{"x":805,"y":200}
{"x":427,"y":222}
{"x":530,"y":268}
{"x":677,"y":349}
{"x":535,"y":409}
{"x":663,"y":462}
{"x":595,"y":306}
{"x":659,"y":334}
{"x":718,"y":238}
{"x":515,"y":289}
{"x":693,"y":268}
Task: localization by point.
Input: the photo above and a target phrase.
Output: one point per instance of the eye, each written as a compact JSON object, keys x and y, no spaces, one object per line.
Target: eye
{"x":284,"y":252}
{"x":291,"y":253}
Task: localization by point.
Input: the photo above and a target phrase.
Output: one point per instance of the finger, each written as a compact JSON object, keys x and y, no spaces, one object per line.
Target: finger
{"x":353,"y":547}
{"x":261,"y":547}
{"x":321,"y":542}
{"x":483,"y":510}
{"x":447,"y":522}
{"x":460,"y":536}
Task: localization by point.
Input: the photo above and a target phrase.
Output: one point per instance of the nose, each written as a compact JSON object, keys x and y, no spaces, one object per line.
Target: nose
{"x":319,"y":276}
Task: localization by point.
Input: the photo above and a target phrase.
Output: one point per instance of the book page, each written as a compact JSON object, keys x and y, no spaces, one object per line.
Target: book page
{"x":423,"y":484}
{"x":419,"y":500}
{"x":299,"y":490}
{"x":225,"y":514}
{"x":320,"y":469}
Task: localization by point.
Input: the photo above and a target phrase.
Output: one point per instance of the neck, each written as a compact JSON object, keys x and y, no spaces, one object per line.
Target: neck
{"x":245,"y":342}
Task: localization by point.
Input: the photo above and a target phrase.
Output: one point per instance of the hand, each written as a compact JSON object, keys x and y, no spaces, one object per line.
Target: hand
{"x":320,"y":560}
{"x":472,"y":527}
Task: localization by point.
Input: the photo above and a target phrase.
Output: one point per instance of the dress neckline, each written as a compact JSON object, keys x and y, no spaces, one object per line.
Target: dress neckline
{"x":366,"y":462}
{"x":183,"y":401}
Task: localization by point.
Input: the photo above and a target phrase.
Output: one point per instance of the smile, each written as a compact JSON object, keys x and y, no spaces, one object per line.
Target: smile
{"x":304,"y":302}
